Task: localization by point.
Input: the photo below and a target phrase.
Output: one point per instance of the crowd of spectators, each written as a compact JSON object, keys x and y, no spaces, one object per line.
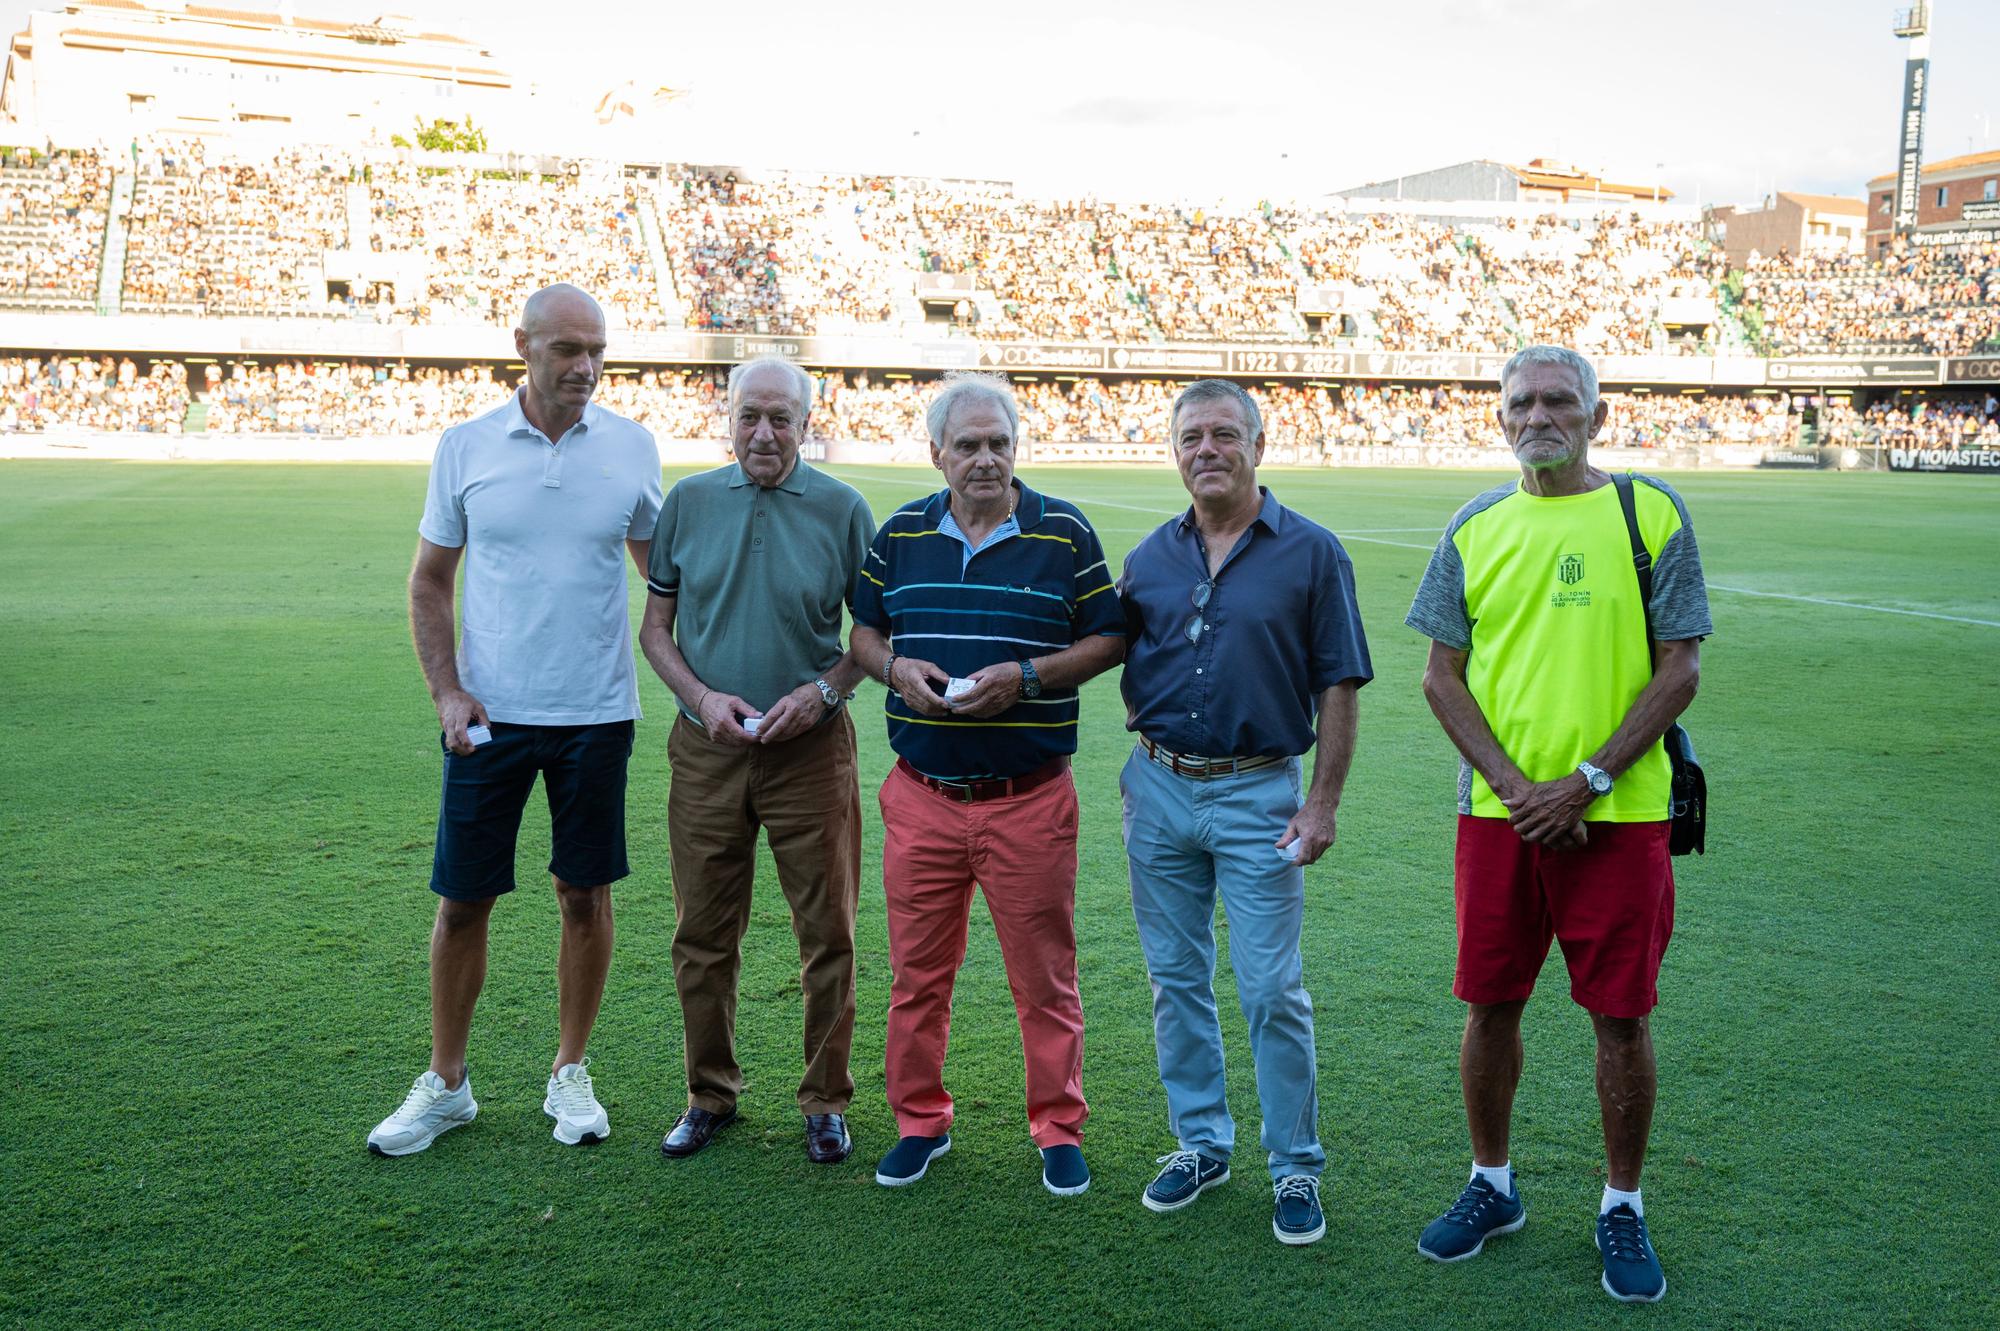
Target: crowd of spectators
{"x":488,"y":240}
{"x":40,"y":393}
{"x":1597,"y":286}
{"x":1971,"y":421}
{"x":1303,"y":422}
{"x":1925,"y":300}
{"x":235,"y":237}
{"x":51,"y":229}
{"x":393,"y":237}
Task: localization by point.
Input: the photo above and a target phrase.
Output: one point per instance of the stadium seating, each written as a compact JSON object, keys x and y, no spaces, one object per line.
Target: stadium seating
{"x":373,"y":235}
{"x":51,"y":231}
{"x":1072,"y":418}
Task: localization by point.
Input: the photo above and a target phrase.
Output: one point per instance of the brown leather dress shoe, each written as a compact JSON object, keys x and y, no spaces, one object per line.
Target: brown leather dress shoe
{"x":827,"y":1142}
{"x":693,"y":1130}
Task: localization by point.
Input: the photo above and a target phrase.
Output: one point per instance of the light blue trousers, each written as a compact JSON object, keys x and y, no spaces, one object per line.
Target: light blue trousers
{"x":1186,"y":841}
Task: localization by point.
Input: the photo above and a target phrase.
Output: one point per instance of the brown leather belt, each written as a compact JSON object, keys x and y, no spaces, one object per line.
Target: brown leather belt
{"x":1200,"y":768}
{"x":971,"y":792}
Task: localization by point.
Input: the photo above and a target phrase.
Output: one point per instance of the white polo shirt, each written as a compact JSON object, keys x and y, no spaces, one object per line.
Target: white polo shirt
{"x":545,"y":637}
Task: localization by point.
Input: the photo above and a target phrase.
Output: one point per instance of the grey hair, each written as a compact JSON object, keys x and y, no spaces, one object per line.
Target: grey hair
{"x":1216,"y":390}
{"x":970,"y":386}
{"x":1586,"y":373}
{"x":803,"y":380}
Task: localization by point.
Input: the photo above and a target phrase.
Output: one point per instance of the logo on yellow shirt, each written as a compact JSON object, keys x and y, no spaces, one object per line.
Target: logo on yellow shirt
{"x":1569,"y":570}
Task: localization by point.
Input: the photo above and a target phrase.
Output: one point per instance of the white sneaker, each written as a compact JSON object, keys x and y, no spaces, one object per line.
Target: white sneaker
{"x":579,"y":1118}
{"x":431,"y":1109}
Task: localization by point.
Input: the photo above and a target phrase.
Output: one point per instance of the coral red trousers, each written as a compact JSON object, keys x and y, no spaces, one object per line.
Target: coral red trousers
{"x":1020,"y":850}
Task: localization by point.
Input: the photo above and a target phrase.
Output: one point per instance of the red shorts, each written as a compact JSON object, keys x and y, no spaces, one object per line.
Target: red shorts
{"x":1610,"y":905}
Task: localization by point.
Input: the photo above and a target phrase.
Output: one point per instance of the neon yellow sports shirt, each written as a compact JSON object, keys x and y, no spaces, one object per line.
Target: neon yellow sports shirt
{"x":1541,"y":594}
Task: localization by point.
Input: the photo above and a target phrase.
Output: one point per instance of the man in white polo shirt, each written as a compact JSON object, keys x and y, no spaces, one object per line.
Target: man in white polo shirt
{"x":537,"y":496}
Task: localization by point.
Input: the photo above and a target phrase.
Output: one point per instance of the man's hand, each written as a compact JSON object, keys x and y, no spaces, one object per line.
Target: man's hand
{"x":1313,"y":827}
{"x":994,"y":689}
{"x":457,"y":710}
{"x":722,"y":717}
{"x":792,"y":715}
{"x":1544,"y":811}
{"x":912,"y":679}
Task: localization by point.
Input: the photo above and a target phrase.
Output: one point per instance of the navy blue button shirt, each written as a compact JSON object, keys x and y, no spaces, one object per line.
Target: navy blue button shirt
{"x":1281,"y":627}
{"x":1030,"y":594}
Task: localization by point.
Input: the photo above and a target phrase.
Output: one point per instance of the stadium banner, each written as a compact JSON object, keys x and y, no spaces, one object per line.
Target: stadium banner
{"x":1951,"y":240}
{"x":1973,"y":370}
{"x":1809,"y":370}
{"x":1799,"y":459}
{"x":1910,"y":150}
{"x":1970,"y":460}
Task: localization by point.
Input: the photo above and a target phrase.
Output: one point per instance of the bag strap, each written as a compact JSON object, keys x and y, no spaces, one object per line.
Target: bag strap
{"x":1642,"y":558}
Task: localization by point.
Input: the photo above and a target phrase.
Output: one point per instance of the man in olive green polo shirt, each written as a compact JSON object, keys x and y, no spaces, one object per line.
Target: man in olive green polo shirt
{"x":750,"y":566}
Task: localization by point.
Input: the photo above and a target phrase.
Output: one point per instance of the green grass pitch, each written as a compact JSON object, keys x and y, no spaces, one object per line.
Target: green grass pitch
{"x":217,"y":812}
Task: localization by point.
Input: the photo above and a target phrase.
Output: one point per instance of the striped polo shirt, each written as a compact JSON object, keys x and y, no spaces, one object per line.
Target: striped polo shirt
{"x":1022,"y":596}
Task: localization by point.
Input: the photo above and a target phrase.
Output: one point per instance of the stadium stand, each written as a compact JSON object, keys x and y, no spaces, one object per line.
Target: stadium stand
{"x":52,"y":213}
{"x":353,"y":398}
{"x":1926,"y":301}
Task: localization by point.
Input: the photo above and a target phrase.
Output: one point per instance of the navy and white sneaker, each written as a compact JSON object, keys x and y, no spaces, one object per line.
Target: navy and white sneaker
{"x":1632,"y":1271}
{"x":1188,"y":1174}
{"x":1480,"y":1212}
{"x":1295,"y":1217}
{"x":909,"y":1158}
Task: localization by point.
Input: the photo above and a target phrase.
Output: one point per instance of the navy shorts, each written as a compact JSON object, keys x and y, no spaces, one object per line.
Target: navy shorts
{"x":479,"y":815}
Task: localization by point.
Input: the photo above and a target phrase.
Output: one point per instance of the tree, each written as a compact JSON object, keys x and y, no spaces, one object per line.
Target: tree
{"x":449,"y":136}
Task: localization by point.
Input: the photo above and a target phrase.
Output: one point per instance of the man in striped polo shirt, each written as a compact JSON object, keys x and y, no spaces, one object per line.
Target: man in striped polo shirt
{"x":982,"y":608}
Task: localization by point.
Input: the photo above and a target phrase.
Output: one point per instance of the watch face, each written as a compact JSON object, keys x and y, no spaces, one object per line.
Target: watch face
{"x":1600,"y":782}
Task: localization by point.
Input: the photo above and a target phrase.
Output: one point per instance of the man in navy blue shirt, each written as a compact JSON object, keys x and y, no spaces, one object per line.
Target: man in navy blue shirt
{"x":1244,"y":650}
{"x":983,"y":607}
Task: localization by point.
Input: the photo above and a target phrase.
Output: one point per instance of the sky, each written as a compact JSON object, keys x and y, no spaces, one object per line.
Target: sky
{"x":1720,"y":100}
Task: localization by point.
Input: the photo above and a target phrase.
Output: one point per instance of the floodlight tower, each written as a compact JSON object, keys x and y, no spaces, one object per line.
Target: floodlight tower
{"x":1913,"y":25}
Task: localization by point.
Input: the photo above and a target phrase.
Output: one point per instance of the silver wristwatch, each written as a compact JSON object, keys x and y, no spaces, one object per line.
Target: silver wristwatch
{"x":827,"y":693}
{"x":1599,"y":779}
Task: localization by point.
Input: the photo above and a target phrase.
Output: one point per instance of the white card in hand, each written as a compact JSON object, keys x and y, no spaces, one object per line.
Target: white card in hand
{"x":1289,"y":852}
{"x":956,"y":687}
{"x":750,"y":723}
{"x":478,"y":735}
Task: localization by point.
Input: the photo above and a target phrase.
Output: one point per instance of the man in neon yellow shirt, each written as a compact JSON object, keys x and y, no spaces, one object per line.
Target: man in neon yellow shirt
{"x":1540,"y":673}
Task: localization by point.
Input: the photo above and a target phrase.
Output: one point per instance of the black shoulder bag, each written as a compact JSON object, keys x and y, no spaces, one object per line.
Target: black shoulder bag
{"x":1689,"y":806}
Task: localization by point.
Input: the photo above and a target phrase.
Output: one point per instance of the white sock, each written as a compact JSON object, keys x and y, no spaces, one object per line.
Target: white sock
{"x":1501,"y":1176}
{"x":1613,"y":1197}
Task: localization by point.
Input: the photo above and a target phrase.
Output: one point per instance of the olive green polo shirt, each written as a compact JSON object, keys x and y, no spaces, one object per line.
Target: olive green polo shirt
{"x":759,"y":576}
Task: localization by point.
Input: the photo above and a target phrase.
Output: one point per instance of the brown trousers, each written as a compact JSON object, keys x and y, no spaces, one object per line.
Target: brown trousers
{"x":805,"y":796}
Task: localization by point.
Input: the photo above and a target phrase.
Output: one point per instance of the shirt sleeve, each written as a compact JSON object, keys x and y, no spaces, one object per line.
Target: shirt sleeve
{"x":1096,"y":611}
{"x":444,"y":503}
{"x":1439,"y":612}
{"x":860,"y":531}
{"x":646,"y":515}
{"x":663,"y":572}
{"x":1679,"y":607}
{"x":1339,"y":646}
{"x":871,"y":584}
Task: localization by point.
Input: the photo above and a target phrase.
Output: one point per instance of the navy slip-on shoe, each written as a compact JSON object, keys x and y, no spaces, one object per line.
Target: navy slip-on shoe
{"x":909,"y":1158}
{"x":1063,"y":1170}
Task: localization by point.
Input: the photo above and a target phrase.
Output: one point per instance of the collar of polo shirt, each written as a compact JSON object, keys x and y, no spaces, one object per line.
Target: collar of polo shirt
{"x":1029,"y":506}
{"x":518,"y":423}
{"x":795,"y":483}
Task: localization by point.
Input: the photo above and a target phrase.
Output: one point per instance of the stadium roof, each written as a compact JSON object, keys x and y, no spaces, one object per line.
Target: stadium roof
{"x":1542,"y":173}
{"x":1968,"y":161}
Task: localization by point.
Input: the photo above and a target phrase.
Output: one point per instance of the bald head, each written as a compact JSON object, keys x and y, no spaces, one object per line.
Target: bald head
{"x":561,"y":338}
{"x":562,"y":303}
